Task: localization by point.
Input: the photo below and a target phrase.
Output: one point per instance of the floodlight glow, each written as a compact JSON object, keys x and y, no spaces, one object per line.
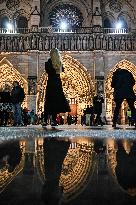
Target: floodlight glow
{"x":119,"y":25}
{"x":9,"y":26}
{"x":63,"y":25}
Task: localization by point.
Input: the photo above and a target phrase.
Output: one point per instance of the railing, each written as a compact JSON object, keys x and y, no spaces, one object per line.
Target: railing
{"x":14,"y":31}
{"x":116,"y":30}
{"x":82,"y":30}
{"x":83,"y":39}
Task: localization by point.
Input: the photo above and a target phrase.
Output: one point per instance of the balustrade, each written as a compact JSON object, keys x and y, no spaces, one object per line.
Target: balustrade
{"x":82,"y":39}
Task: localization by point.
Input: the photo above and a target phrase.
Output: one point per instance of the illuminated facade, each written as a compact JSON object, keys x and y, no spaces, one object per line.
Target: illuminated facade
{"x":92,"y":36}
{"x":77,"y":169}
{"x":84,"y":161}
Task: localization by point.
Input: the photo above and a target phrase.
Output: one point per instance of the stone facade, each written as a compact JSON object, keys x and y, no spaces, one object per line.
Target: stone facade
{"x":90,"y":52}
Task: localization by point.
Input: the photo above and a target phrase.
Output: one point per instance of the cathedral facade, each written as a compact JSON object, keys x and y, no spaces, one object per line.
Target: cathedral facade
{"x":95,"y":37}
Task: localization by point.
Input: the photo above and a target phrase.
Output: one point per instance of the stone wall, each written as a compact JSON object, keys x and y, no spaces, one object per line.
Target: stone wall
{"x":98,"y":64}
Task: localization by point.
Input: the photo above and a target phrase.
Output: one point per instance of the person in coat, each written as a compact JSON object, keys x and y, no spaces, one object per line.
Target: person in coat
{"x":17,"y":97}
{"x":97,"y":103}
{"x":55,"y":100}
{"x":5,"y":105}
{"x":123,"y":82}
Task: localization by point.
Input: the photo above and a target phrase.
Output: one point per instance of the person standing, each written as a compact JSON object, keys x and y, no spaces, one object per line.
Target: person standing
{"x":25,"y":116}
{"x":55,"y":100}
{"x":123,"y":82}
{"x":17,"y":97}
{"x":89,"y":112}
{"x":5,"y":105}
{"x":31,"y":114}
{"x":97,"y":103}
{"x":129,"y":117}
{"x":69,"y":119}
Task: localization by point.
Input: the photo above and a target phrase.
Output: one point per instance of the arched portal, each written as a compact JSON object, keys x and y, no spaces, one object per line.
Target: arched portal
{"x":77,"y":85}
{"x":124,"y":64}
{"x":8,"y":74}
{"x":116,"y":161}
{"x":77,"y":168}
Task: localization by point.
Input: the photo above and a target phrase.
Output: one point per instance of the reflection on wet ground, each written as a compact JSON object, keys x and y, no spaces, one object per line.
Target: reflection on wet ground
{"x":72,"y":171}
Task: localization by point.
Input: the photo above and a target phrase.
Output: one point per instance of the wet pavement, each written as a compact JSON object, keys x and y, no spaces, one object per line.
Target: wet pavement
{"x":67,"y":165}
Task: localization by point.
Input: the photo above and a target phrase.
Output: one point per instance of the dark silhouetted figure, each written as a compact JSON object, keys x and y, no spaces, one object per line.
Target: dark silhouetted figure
{"x":126,"y":167}
{"x":99,"y":146}
{"x":123,"y":82}
{"x":69,"y":119}
{"x":55,"y":100}
{"x":13,"y":152}
{"x":52,"y":191}
{"x":5,"y":107}
{"x":97,"y":104}
{"x":17,"y":97}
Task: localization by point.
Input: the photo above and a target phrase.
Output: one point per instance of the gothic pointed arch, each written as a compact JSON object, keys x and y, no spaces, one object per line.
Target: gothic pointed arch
{"x":10,"y":175}
{"x":22,"y":13}
{"x":124,"y":64}
{"x":76,"y":81}
{"x":77,"y":169}
{"x":8,"y":74}
{"x":22,"y":22}
{"x":3,"y":21}
{"x":5,"y":12}
{"x":108,"y":16}
{"x":125,"y":19}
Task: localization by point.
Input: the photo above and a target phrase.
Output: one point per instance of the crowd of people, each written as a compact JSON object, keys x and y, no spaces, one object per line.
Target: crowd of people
{"x":10,"y":102}
{"x":11,"y":111}
{"x":92,"y":114}
{"x":56,"y":101}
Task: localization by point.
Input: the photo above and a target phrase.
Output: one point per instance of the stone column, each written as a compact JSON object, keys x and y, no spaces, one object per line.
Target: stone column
{"x":32,"y":80}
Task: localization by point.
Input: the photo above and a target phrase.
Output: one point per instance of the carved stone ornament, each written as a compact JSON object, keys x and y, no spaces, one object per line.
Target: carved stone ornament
{"x":1,"y":1}
{"x":115,"y":6}
{"x":12,"y":4}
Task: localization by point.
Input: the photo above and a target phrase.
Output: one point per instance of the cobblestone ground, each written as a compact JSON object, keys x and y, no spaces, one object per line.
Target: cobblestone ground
{"x":91,"y":172}
{"x":122,"y":131}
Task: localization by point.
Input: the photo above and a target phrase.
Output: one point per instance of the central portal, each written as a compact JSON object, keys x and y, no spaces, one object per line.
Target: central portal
{"x":77,"y":86}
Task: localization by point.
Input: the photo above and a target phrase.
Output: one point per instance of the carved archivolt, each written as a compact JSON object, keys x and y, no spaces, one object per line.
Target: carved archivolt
{"x":6,"y":177}
{"x":21,"y":12}
{"x":124,"y":64}
{"x":5,"y":12}
{"x":8,"y":74}
{"x":77,"y":169}
{"x":76,"y":81}
{"x":13,"y":9}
